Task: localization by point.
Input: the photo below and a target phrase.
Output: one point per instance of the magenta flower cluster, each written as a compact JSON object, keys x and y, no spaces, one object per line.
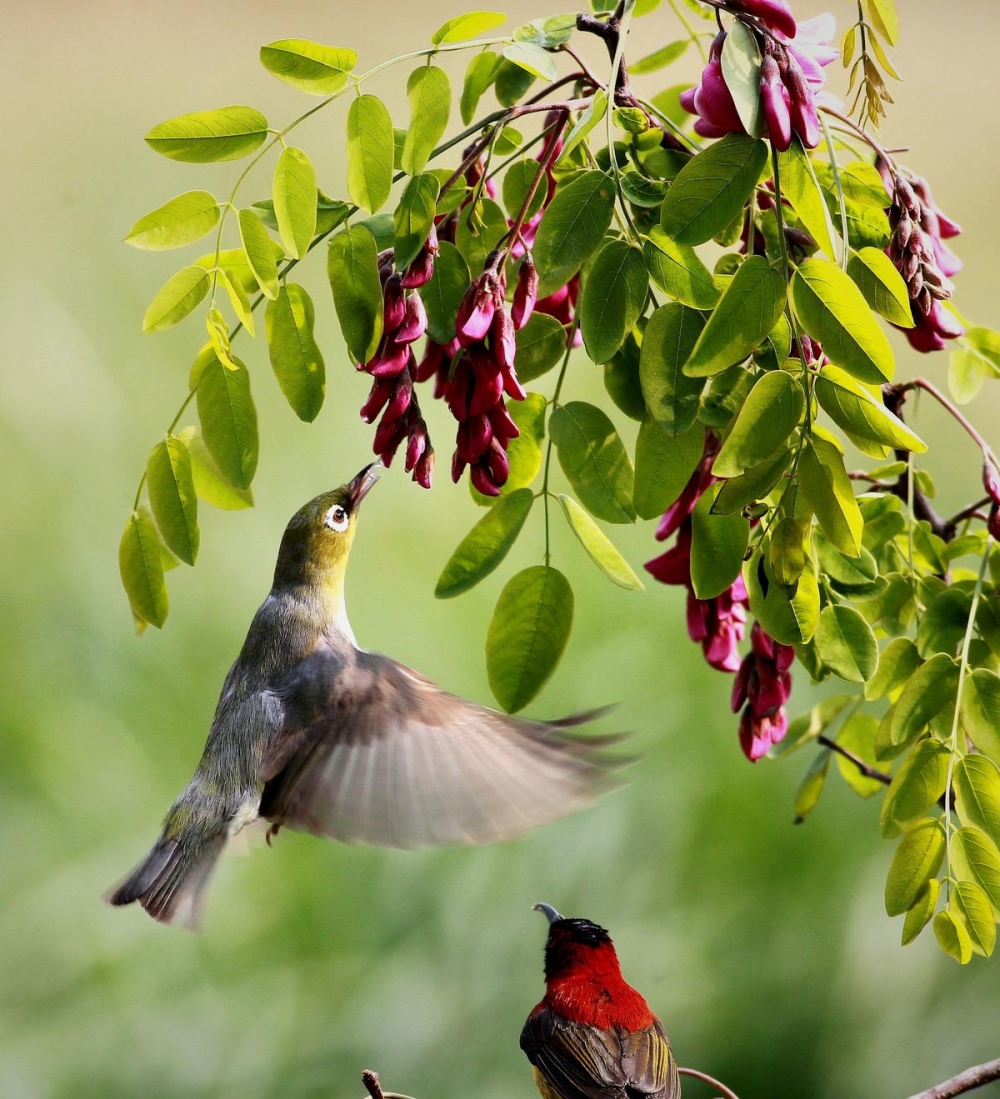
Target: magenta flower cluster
{"x":791,"y":75}
{"x":761,"y":688}
{"x":917,"y":248}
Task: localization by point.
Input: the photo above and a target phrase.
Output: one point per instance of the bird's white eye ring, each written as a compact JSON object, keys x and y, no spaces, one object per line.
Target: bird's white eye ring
{"x":337,"y":518}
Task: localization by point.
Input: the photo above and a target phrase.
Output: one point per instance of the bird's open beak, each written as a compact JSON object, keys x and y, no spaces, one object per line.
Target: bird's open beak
{"x":549,"y":911}
{"x":362,"y":484}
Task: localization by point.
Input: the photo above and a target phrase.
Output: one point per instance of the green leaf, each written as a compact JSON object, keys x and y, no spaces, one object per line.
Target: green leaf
{"x":882,"y":285}
{"x":718,"y":544}
{"x":952,"y":936}
{"x":833,"y":310}
{"x":641,"y":190}
{"x":976,"y":859}
{"x":479,"y":76}
{"x":182,"y":220}
{"x":227,"y":133}
{"x":663,"y":466}
{"x":885,"y":18}
{"x":352,"y":268}
{"x":518,"y":180}
{"x":854,"y":408}
{"x":463,"y":27}
{"x":846,"y":644}
{"x":811,"y":787}
{"x":788,"y":613}
{"x":524,"y":453}
{"x":829,"y":492}
{"x":712,"y":187}
{"x":594,"y":460}
{"x":917,"y":859}
{"x":479,"y":231}
{"x":261,"y":253}
{"x":966,"y":373}
{"x":973,"y":906}
{"x":741,"y":73}
{"x":309,"y":66}
{"x":979,"y":711}
{"x":858,"y":737}
{"x":659,"y":59}
{"x":511,"y":82}
{"x":541,"y":343}
{"x":599,"y":547}
{"x":750,"y":307}
{"x":533,"y":59}
{"x":369,"y":152}
{"x":986,"y":342}
{"x":771,"y":413}
{"x":800,"y":187}
{"x":486,"y":545}
{"x":738,"y":492}
{"x":671,"y":396}
{"x":614,"y":293}
{"x":943,"y":623}
{"x":209,"y":483}
{"x":229,"y":420}
{"x":931,"y":687}
{"x":787,"y":551}
{"x":140,"y":564}
{"x":921,"y":911}
{"x":527,"y":634}
{"x":295,"y":201}
{"x":295,"y":358}
{"x":180,"y":295}
{"x":915,"y":787}
{"x":977,"y":794}
{"x":896,"y":663}
{"x":414,"y":218}
{"x":573,"y":225}
{"x":443,"y":294}
{"x":429,"y":95}
{"x":677,"y":269}
{"x":172,"y":497}
{"x":586,"y":121}
{"x":550,"y":30}
{"x":621,"y":378}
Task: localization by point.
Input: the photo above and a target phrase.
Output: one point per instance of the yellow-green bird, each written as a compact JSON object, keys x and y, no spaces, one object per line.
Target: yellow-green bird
{"x":315,"y":734}
{"x":593,"y":1036}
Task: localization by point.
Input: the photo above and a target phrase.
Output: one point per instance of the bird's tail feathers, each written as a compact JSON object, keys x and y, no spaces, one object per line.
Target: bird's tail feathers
{"x":170,"y":881}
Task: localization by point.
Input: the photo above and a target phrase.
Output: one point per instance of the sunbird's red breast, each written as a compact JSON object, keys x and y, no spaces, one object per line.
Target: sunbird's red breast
{"x":315,"y":734}
{"x":593,"y":1035}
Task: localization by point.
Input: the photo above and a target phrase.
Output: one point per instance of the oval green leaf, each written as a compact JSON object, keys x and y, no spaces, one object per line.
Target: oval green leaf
{"x":444,"y":292}
{"x":295,"y":201}
{"x":229,"y":420}
{"x":414,"y":218}
{"x":671,"y":396}
{"x":830,"y":493}
{"x":975,"y":858}
{"x":370,"y":145}
{"x":527,"y":634}
{"x":573,"y":225}
{"x":614,"y":293}
{"x":971,"y":903}
{"x":209,"y":483}
{"x":352,"y":268}
{"x":678,"y":270}
{"x":882,"y":285}
{"x":486,"y":545}
{"x":179,"y":296}
{"x":920,"y":913}
{"x":599,"y":547}
{"x":800,"y":187}
{"x":594,"y":460}
{"x":915,"y":787}
{"x":663,"y":466}
{"x":833,"y":310}
{"x":140,"y":564}
{"x":718,"y":545}
{"x":917,"y":859}
{"x":429,"y":95}
{"x":851,"y":406}
{"x":979,"y":712}
{"x":533,"y":59}
{"x":711,"y":188}
{"x":931,"y":687}
{"x":952,"y":936}
{"x":769,"y":415}
{"x":182,"y":220}
{"x":977,"y":793}
{"x":261,"y":253}
{"x":295,"y":358}
{"x":226,"y":133}
{"x":172,"y":497}
{"x":463,"y":27}
{"x":309,"y":66}
{"x":541,"y":343}
{"x":846,"y":644}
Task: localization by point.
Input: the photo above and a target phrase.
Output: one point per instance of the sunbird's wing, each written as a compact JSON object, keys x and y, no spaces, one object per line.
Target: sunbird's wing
{"x":372,"y":752}
{"x":585,"y":1062}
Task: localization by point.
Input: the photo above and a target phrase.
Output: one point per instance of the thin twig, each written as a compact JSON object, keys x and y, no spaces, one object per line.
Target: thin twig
{"x":865,"y":768}
{"x":972,"y":1078}
{"x":373,"y":1087}
{"x":727,"y":1093}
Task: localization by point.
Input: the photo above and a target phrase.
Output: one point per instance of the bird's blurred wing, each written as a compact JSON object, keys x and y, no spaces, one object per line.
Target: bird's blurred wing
{"x":577,"y":1062}
{"x":585,"y":1062}
{"x":391,"y":759}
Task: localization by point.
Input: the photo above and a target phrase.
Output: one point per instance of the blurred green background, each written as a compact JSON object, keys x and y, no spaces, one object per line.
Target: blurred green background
{"x":763,"y":946}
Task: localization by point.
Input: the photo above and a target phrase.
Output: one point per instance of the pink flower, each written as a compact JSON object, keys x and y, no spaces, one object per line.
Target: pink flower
{"x":763,"y":683}
{"x":776,"y":15}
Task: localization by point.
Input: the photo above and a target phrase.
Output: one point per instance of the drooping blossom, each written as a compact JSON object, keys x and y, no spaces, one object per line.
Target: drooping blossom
{"x":761,"y":689}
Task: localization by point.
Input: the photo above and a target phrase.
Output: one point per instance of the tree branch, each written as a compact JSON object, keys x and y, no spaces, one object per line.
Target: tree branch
{"x":726,"y":1093}
{"x":865,"y":768}
{"x":972,"y":1078}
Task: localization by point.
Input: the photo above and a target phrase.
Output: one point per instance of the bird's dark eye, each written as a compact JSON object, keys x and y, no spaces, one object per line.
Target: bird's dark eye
{"x":337,"y":518}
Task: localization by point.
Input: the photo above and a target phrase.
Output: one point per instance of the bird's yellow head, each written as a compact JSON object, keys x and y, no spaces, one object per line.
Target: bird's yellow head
{"x":318,"y":538}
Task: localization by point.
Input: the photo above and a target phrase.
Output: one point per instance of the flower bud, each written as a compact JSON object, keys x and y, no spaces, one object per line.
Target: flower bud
{"x":774,"y":101}
{"x":802,"y":106}
{"x":991,"y":481}
{"x":414,"y":322}
{"x":475,"y":312}
{"x":502,"y":338}
{"x":393,"y":308}
{"x":525,"y":293}
{"x":424,"y":467}
{"x":776,"y":15}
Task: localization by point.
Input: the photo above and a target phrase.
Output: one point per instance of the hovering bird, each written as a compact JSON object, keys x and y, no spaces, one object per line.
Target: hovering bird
{"x":315,"y":734}
{"x":593,"y":1036}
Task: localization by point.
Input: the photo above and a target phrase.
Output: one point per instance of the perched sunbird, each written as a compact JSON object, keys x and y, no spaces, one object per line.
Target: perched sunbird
{"x":315,"y":734}
{"x":593,"y":1036}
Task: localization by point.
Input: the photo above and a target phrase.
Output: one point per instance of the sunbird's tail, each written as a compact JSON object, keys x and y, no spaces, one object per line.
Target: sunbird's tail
{"x":170,"y":881}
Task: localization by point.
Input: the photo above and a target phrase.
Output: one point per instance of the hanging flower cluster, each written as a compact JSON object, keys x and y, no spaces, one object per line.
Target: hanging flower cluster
{"x":763,"y":683}
{"x":791,"y":75}
{"x":917,"y":248}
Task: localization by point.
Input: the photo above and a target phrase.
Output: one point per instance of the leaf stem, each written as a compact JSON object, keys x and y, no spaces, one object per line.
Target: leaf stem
{"x":548,"y":450}
{"x":727,"y":1093}
{"x":692,"y":34}
{"x":831,"y":151}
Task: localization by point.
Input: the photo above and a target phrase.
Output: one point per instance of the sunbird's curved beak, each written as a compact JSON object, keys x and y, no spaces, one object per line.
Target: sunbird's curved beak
{"x":363,"y":483}
{"x":549,"y":911}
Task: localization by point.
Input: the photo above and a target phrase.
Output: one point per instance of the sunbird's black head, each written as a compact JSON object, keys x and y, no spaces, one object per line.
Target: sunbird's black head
{"x":318,"y":538}
{"x":574,"y":944}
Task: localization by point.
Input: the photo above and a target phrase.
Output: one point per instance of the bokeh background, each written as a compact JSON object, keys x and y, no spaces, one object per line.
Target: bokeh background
{"x":763,"y":946}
